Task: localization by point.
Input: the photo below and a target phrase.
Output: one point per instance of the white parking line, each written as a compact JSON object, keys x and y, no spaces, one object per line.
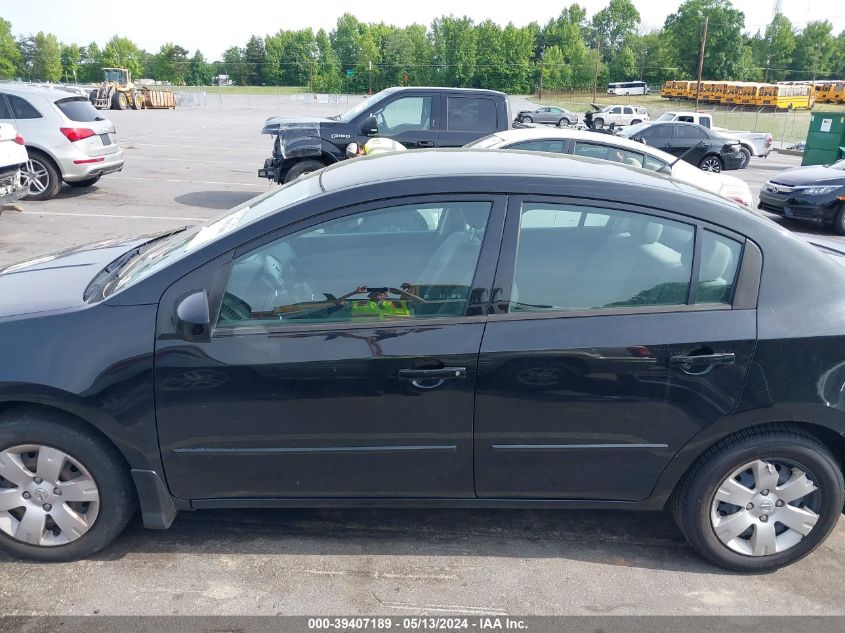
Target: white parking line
{"x":201,"y":182}
{"x":263,"y":150}
{"x":112,"y":215}
{"x":196,"y":160}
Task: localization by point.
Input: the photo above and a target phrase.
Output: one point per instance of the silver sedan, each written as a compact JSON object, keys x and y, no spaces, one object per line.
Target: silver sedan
{"x":548,"y":114}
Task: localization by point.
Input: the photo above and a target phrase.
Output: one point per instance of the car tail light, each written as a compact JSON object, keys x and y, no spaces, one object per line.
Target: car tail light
{"x":19,"y":139}
{"x":74,"y":134}
{"x":768,"y":140}
{"x":85,"y":161}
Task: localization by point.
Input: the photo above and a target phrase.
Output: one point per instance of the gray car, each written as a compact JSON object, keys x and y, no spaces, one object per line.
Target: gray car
{"x":66,"y":138}
{"x":548,"y":114}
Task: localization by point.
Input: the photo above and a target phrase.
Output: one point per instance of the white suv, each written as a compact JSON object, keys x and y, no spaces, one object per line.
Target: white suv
{"x":618,"y":115}
{"x":67,"y":139}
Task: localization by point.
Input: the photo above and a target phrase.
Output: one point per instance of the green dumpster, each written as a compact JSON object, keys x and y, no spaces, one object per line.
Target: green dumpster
{"x":825,"y":139}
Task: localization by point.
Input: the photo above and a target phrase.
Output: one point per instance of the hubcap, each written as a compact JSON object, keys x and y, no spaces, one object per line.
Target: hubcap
{"x":35,"y":176}
{"x":47,"y":497}
{"x":764,"y":507}
{"x":711,"y":164}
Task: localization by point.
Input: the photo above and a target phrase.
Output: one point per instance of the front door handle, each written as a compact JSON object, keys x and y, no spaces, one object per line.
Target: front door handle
{"x":702,"y":361}
{"x":425,"y":143}
{"x":441,"y":373}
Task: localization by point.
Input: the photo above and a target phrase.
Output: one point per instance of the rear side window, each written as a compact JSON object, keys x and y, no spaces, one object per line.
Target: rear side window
{"x":607,"y":152}
{"x":689,"y":132}
{"x":79,"y":110}
{"x":720,"y":258}
{"x":5,"y":113}
{"x":547,"y":145}
{"x":470,"y":114}
{"x":22,"y":109}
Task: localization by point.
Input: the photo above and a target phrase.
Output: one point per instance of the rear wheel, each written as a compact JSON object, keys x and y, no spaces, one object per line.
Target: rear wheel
{"x":41,"y":176}
{"x":760,"y":499}
{"x":65,"y":493}
{"x":598,"y":123}
{"x":711,"y":163}
{"x":564,"y":122}
{"x":303,"y":167}
{"x":746,"y":157}
{"x":137,"y":101}
{"x":839,"y":221}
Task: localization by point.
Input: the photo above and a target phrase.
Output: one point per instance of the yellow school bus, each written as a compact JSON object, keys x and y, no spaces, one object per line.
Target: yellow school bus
{"x":749,"y":94}
{"x":838,"y":94}
{"x":666,"y":88}
{"x":787,"y":96}
{"x":726,"y":96}
{"x":828,"y":91}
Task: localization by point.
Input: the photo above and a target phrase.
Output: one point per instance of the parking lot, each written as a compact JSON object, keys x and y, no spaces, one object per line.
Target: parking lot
{"x":186,"y":165}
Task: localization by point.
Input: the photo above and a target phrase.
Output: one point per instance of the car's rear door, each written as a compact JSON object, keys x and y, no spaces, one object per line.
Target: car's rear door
{"x":618,"y":334}
{"x":343,"y":362}
{"x":468,"y":117}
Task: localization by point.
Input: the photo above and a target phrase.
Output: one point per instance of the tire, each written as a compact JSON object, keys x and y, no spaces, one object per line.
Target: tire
{"x":303,"y":167}
{"x":598,"y":123}
{"x":839,"y":221}
{"x":99,"y":465}
{"x":85,"y":183}
{"x":746,"y":157}
{"x":711,"y":163}
{"x":42,"y":176}
{"x":137,"y":101}
{"x":564,"y":122}
{"x":527,"y":119}
{"x":697,"y":509}
{"x":119,"y":101}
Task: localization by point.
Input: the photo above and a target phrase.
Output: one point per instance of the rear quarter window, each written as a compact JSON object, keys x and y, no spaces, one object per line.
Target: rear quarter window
{"x":471,"y":114}
{"x":79,"y":110}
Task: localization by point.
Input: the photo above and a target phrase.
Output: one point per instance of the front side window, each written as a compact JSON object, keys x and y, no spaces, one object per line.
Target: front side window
{"x":616,"y":110}
{"x":405,"y":114}
{"x":658,"y":133}
{"x":720,"y":257}
{"x":573,"y":258}
{"x":541,"y":145}
{"x":22,"y":109}
{"x":470,"y":114}
{"x":607,"y":152}
{"x":393,"y":264}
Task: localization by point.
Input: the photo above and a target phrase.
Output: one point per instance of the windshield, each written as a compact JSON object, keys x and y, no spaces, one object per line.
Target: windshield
{"x":633,"y":130}
{"x":486,"y":142}
{"x":666,"y":116}
{"x":366,"y":104}
{"x":179,"y":245}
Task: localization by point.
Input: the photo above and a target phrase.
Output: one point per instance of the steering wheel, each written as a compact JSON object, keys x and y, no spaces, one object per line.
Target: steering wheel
{"x":288,"y":278}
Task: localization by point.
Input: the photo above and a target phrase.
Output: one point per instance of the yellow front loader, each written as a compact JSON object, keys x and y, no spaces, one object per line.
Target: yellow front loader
{"x":117,"y":91}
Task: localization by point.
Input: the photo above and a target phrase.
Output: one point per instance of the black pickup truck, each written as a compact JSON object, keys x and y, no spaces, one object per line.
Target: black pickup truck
{"x":415,"y":117}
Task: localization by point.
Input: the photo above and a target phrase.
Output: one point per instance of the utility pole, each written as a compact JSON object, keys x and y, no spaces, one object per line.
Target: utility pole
{"x":542,"y":64}
{"x":370,"y":73}
{"x":701,"y":60}
{"x":596,"y":75}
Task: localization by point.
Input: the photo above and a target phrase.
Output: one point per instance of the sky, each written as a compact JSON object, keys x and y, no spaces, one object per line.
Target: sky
{"x":212,"y":25}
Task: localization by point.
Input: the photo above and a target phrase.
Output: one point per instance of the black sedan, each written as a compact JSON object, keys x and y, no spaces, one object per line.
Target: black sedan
{"x":694,"y":143}
{"x":370,"y":334}
{"x":811,"y":194}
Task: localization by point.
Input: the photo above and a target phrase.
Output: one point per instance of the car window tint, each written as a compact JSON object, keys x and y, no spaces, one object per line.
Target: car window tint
{"x":652,"y":163}
{"x":22,"y":109}
{"x":393,"y":264}
{"x":568,"y":260}
{"x":542,"y":145}
{"x":404,"y":114}
{"x":607,"y":152}
{"x":720,"y":257}
{"x":629,"y":111}
{"x":657,"y":132}
{"x":470,"y":114}
{"x":616,"y":110}
{"x":685,"y":118}
{"x":79,"y":110}
{"x":688,"y":132}
{"x":5,"y":113}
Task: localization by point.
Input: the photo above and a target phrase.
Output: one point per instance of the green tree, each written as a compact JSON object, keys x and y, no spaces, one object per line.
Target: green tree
{"x":724,"y":37}
{"x":490,"y":71}
{"x":839,"y":57}
{"x":655,"y":58}
{"x":623,"y":65}
{"x":10,"y":56}
{"x":423,"y":53}
{"x":454,"y":50}
{"x":778,"y":44}
{"x":90,"y":64}
{"x":368,"y":70}
{"x":519,"y":68}
{"x":615,"y":25}
{"x":255,"y":56}
{"x":234,"y":66}
{"x":71,"y":56}
{"x":200,"y":72}
{"x":121,"y":52}
{"x":46,"y":57}
{"x":815,"y":52}
{"x":26,"y":56}
{"x":327,"y":75}
{"x":171,"y":64}
{"x":398,"y":60}
{"x":346,"y":39}
{"x":557,"y":74}
{"x":299,"y":54}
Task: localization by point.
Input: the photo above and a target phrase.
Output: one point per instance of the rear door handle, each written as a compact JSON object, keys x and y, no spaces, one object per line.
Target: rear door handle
{"x":442,"y":373}
{"x":425,"y":143}
{"x":702,"y":360}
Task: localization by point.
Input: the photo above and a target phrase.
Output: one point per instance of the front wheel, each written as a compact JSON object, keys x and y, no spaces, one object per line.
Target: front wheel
{"x":711,"y":164}
{"x":302,"y":167}
{"x":746,"y":157}
{"x":636,"y":122}
{"x":598,"y":123}
{"x":65,"y":493}
{"x":839,"y":221}
{"x":760,"y":499}
{"x":527,"y":119}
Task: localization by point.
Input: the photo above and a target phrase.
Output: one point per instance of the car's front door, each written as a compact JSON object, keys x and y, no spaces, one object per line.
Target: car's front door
{"x":619,"y":334}
{"x":343,"y":361}
{"x":410,"y":119}
{"x":659,"y":136}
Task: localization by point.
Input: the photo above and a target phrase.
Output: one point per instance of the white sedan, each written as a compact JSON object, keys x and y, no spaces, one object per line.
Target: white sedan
{"x":13,"y":158}
{"x":616,"y":149}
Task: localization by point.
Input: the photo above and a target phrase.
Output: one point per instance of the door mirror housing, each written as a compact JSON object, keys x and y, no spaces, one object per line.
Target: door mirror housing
{"x":192,"y":319}
{"x":369,"y":126}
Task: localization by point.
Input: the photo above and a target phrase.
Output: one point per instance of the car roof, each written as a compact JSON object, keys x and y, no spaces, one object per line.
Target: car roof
{"x":535,"y":133}
{"x":50,"y":93}
{"x":442,"y":89}
{"x":470,"y":162}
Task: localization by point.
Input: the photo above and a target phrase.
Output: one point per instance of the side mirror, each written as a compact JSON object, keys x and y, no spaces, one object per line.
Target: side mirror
{"x":352,"y":150}
{"x":192,"y":319}
{"x":369,"y":126}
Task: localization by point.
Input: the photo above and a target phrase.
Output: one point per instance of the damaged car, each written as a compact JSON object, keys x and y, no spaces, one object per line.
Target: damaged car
{"x":415,"y":117}
{"x":13,"y":159}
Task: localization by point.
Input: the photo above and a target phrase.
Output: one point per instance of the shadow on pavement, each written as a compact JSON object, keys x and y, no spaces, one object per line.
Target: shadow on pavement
{"x":647,"y":540}
{"x":215,"y":199}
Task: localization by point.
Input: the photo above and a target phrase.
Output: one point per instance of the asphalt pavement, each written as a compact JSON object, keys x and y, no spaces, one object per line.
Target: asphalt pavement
{"x":186,"y":165}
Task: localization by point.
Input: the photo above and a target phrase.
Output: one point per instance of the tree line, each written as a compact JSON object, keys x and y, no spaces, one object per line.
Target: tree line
{"x":569,"y":52}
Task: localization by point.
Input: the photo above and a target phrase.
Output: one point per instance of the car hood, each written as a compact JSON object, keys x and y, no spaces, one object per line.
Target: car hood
{"x":58,"y":280}
{"x":276,"y":124}
{"x":815,"y":175}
